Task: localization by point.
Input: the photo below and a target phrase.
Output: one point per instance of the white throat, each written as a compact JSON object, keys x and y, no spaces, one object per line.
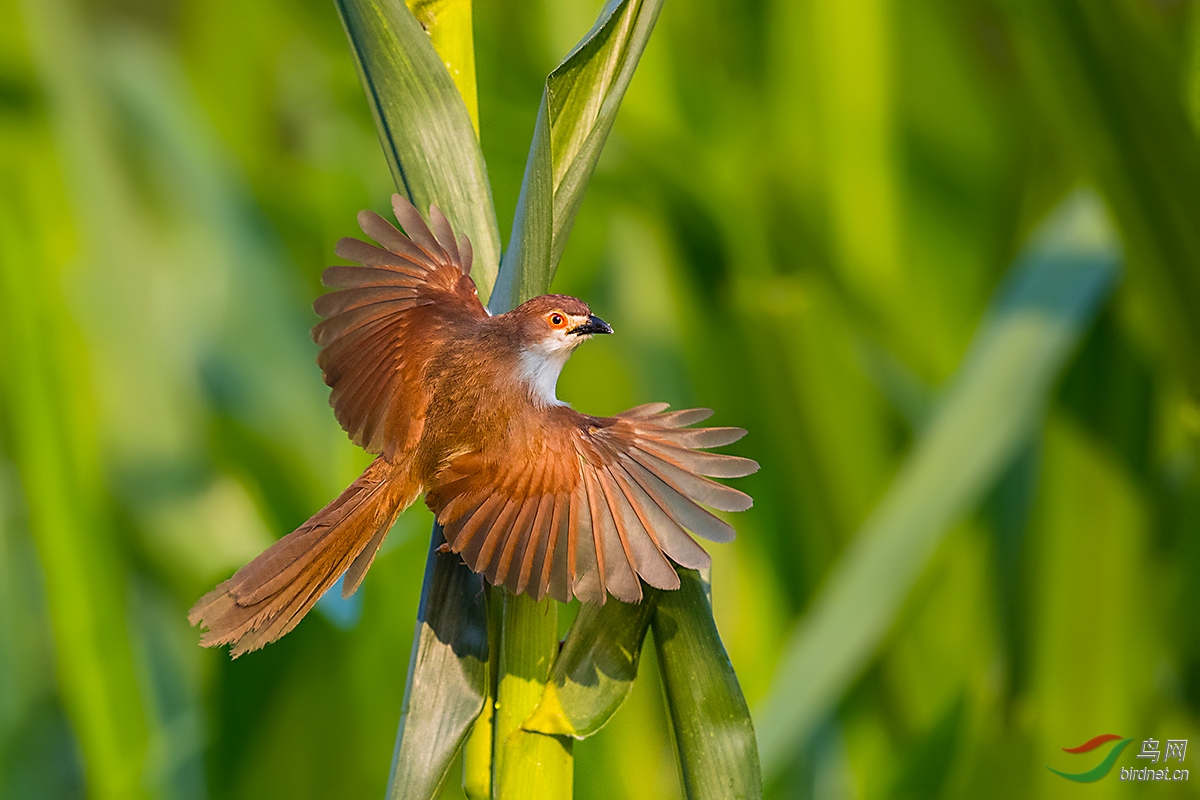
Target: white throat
{"x":540,"y":370}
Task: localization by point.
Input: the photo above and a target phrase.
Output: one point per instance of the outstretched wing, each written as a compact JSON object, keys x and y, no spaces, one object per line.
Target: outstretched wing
{"x":387,"y":319}
{"x":583,"y":506}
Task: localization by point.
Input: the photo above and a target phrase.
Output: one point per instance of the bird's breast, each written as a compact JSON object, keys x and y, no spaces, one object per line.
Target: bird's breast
{"x":479,"y":405}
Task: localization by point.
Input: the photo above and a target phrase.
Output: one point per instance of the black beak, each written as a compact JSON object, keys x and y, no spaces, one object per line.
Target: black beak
{"x":593,"y":325}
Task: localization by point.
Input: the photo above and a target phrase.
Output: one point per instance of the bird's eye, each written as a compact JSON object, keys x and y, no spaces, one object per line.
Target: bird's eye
{"x":557,"y":320}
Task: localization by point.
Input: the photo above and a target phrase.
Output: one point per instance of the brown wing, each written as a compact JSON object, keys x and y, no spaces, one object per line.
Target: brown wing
{"x":386,"y":320}
{"x":585,"y":506}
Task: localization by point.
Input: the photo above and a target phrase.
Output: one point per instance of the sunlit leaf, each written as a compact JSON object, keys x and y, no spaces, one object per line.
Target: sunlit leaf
{"x":986,"y":416}
{"x":448,"y":24}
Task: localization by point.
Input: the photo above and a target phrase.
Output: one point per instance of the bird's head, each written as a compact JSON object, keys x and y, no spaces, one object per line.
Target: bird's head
{"x":548,"y":329}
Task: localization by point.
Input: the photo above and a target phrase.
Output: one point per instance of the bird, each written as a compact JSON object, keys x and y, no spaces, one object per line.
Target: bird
{"x":461,"y":405}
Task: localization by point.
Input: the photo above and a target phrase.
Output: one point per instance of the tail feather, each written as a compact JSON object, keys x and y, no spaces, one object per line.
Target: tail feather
{"x":269,"y":596}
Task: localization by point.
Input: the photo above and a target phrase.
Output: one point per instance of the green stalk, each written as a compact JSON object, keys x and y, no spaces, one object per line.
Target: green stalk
{"x":528,"y":764}
{"x":477,"y":753}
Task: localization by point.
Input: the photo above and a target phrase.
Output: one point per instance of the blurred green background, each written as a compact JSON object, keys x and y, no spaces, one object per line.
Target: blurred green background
{"x":800,"y":219}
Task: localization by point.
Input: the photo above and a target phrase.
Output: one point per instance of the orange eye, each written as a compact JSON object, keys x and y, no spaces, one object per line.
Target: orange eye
{"x":557,"y":320}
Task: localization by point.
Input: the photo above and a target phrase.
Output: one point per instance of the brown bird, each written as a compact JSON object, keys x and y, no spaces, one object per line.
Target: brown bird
{"x":461,"y":405}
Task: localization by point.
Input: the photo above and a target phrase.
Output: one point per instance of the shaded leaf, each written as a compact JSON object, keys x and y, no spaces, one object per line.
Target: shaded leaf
{"x":447,"y":675}
{"x":710,"y":721}
{"x":986,"y":416}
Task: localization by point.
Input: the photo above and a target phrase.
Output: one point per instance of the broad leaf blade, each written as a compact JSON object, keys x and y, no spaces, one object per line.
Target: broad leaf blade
{"x":447,"y":675}
{"x":710,"y":721}
{"x":595,"y":669}
{"x":579,"y":105}
{"x":988,"y":414}
{"x":424,"y":126}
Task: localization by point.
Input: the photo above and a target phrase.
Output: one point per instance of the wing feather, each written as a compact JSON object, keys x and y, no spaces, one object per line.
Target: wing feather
{"x":358,"y":277}
{"x":682,"y":417}
{"x":686,"y":513}
{"x":527,"y":549}
{"x":558,"y":564}
{"x":466,"y":253}
{"x":395,"y":241}
{"x":405,"y":258}
{"x":592,"y":582}
{"x":444,"y":234}
{"x":693,"y":486}
{"x":641,"y":551}
{"x":498,"y":533}
{"x":645,"y":410}
{"x":674,"y":542}
{"x":462,"y":532}
{"x":703,"y":438}
{"x":386,"y":319}
{"x":344,"y":323}
{"x":584,"y":507}
{"x":518,"y":541}
{"x":714,"y":465}
{"x":418,"y":232}
{"x":351,"y":299}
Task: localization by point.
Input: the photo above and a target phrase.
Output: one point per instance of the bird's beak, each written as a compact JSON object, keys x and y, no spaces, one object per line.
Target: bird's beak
{"x":593,"y":325}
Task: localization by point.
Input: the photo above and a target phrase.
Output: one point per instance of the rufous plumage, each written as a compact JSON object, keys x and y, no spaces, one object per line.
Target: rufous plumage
{"x":461,"y":405}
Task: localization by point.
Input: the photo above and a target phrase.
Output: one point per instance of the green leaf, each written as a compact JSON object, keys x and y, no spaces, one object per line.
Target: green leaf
{"x":710,"y":722}
{"x":579,"y":105}
{"x":447,"y":675}
{"x":595,"y":669}
{"x":424,"y":126}
{"x":990,"y":411}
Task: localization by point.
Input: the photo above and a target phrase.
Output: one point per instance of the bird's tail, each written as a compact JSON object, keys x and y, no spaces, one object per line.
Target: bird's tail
{"x":268,"y":597}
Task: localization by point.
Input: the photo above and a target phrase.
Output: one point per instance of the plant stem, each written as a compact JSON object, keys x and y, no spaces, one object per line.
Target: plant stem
{"x":477,"y":753}
{"x":528,"y":764}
